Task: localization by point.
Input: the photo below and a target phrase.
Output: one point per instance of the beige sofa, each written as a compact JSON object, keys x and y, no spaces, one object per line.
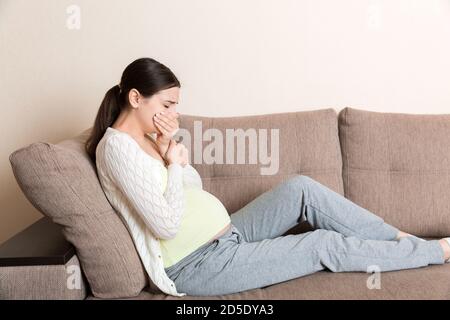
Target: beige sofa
{"x":396,"y":165}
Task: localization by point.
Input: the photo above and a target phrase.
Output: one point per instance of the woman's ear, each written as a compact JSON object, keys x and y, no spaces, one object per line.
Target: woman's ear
{"x":133,"y":97}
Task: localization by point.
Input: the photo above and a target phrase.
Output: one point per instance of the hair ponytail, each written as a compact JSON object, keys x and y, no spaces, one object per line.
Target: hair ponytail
{"x":108,"y":112}
{"x":146,"y":75}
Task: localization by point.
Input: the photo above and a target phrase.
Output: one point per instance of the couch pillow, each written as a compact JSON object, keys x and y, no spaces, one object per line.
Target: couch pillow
{"x":60,"y":180}
{"x":397,"y":165}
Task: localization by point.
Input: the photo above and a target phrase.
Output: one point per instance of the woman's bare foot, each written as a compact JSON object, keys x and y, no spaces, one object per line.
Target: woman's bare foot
{"x":446,"y":247}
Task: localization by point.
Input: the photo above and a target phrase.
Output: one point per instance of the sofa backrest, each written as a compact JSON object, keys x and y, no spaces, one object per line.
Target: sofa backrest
{"x":397,"y":166}
{"x":60,"y":180}
{"x":308,"y":144}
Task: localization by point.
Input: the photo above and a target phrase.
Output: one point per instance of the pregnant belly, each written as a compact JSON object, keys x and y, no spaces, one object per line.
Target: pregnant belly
{"x":221,"y":232}
{"x":205,"y":209}
{"x":204,"y":218}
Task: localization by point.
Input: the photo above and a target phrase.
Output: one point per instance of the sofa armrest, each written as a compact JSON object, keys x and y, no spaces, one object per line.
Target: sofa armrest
{"x":38,"y":263}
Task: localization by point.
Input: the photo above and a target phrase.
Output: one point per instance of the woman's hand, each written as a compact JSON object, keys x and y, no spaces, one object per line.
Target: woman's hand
{"x":177,"y":153}
{"x":167,"y":125}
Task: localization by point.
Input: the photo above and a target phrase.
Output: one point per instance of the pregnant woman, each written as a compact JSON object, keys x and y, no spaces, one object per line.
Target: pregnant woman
{"x":186,"y":239}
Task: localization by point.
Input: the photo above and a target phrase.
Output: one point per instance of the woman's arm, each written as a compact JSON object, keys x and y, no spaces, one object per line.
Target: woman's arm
{"x":135,"y":176}
{"x":191,"y":177}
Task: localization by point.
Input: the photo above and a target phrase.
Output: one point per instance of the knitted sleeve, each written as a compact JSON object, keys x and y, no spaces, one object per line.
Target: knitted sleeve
{"x":136,"y":177}
{"x":191,"y":177}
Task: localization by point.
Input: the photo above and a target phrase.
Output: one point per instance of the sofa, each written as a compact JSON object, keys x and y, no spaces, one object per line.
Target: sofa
{"x":396,"y":165}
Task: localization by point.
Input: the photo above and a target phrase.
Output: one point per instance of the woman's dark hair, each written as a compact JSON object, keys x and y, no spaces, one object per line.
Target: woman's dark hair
{"x":146,"y":75}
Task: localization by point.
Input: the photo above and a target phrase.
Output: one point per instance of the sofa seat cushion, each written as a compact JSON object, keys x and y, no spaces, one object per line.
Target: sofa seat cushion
{"x":432,"y":282}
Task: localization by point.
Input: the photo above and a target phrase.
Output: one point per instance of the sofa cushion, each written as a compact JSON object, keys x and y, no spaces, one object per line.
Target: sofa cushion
{"x":61,"y":182}
{"x":397,"y":166}
{"x":308,"y":144}
{"x":432,"y":282}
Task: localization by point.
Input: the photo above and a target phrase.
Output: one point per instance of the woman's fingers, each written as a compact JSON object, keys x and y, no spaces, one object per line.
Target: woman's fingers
{"x":169,"y":124}
{"x":162,"y":120}
{"x":169,"y":119}
{"x":172,"y":118}
{"x":163,"y":130}
{"x":164,"y":124}
{"x":185,"y":154}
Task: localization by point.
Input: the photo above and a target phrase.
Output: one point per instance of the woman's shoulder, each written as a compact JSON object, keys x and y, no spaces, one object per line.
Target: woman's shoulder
{"x":110,"y":142}
{"x":120,"y":148}
{"x":114,"y":140}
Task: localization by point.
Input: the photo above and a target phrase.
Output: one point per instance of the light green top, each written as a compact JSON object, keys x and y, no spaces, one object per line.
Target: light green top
{"x":204,"y":217}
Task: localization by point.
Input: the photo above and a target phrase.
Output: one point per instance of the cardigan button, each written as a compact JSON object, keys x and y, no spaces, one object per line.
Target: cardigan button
{"x":159,"y":256}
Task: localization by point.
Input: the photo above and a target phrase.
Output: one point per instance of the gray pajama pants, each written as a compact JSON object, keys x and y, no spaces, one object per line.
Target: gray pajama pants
{"x":254,"y":254}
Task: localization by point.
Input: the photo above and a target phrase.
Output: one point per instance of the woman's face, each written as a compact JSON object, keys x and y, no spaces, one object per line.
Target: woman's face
{"x":164,"y":100}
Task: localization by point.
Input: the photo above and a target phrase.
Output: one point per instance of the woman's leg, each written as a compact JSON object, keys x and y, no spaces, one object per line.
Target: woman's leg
{"x":301,"y":198}
{"x":234,"y":265}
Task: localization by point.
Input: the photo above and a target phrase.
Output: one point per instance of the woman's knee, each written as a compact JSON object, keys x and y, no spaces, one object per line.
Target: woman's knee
{"x":326,"y":239}
{"x":299,"y":181}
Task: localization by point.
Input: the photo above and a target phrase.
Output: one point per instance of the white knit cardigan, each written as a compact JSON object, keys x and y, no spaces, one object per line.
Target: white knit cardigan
{"x":132,"y":182}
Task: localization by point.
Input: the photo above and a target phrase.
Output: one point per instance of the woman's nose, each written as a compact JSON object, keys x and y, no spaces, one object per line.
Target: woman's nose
{"x":174,"y":110}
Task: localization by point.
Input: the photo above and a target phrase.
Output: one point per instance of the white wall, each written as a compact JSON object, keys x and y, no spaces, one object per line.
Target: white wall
{"x":232,"y":57}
